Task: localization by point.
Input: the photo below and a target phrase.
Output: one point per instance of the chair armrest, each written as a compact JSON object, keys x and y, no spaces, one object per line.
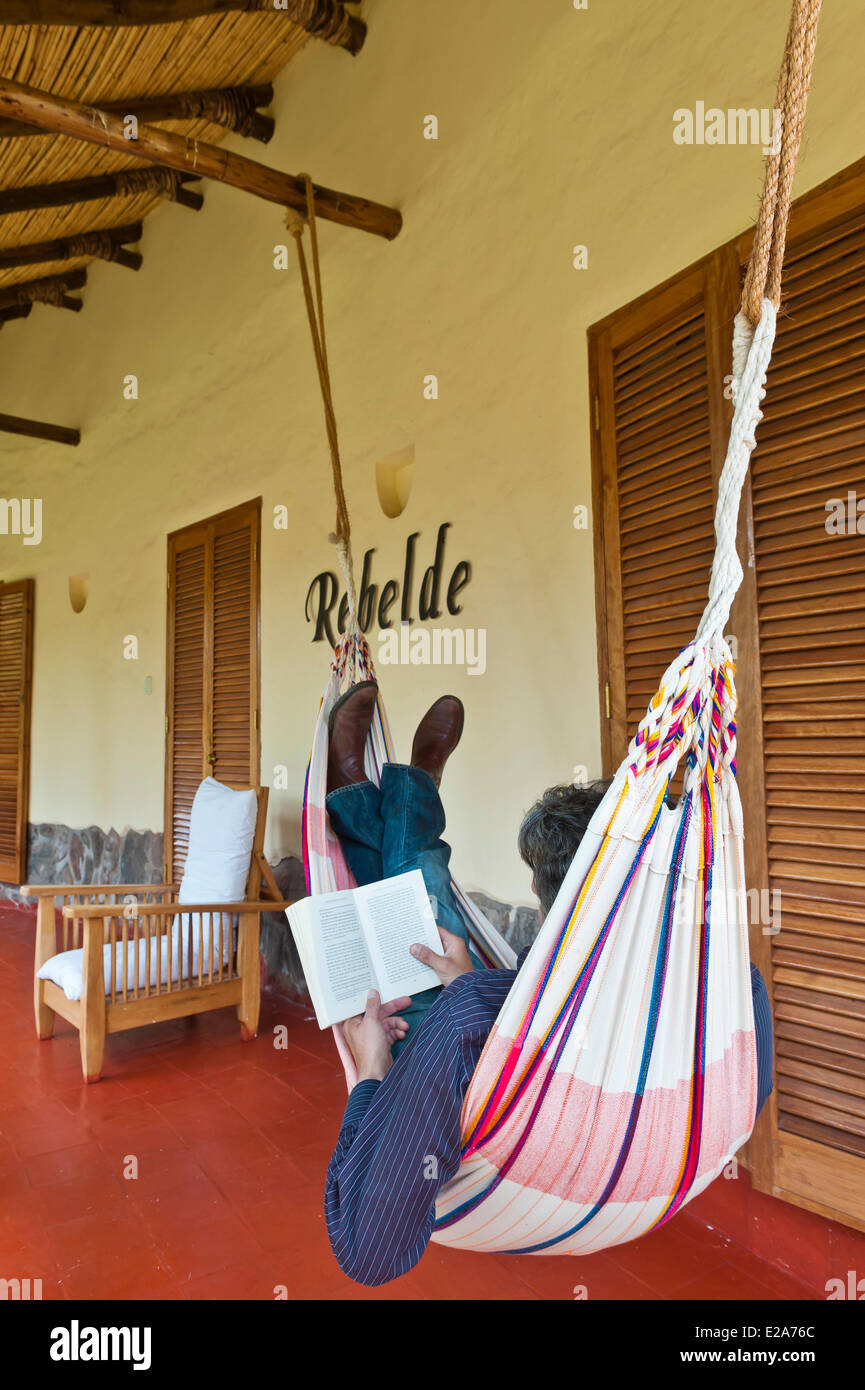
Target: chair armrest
{"x":56,"y":890}
{"x":174,"y":908}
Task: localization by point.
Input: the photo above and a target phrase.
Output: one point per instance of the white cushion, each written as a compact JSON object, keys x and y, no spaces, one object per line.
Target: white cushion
{"x":221,"y":833}
{"x":67,"y":968}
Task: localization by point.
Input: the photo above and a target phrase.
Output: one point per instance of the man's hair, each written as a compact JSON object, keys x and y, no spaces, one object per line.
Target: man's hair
{"x":551,"y":833}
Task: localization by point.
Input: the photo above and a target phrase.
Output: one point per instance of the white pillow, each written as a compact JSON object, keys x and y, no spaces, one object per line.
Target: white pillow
{"x":67,"y":969}
{"x":221,"y":832}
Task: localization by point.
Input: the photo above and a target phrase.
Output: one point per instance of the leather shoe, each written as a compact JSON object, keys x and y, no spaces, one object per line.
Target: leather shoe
{"x":437,"y":736}
{"x":348,"y":726}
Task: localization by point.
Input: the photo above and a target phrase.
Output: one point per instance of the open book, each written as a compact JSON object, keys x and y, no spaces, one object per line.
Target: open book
{"x":358,"y":939}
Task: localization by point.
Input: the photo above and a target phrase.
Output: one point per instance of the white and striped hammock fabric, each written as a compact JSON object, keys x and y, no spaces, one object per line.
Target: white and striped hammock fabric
{"x":620,"y":1076}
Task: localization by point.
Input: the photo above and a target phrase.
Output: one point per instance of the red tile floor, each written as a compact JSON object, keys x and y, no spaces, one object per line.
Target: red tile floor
{"x":231,"y":1142}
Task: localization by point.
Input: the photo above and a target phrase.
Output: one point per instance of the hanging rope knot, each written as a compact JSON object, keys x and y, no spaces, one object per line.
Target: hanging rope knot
{"x":295,"y":222}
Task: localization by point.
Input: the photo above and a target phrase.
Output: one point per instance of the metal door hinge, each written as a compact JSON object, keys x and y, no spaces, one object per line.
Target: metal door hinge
{"x":607,"y":698}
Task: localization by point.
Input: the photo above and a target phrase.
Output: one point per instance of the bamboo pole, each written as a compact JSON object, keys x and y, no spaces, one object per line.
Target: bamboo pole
{"x":37,"y":429}
{"x":106,"y":245}
{"x":324,"y":19}
{"x":55,"y":195}
{"x":192,"y":157}
{"x":50,"y":290}
{"x":231,"y":107}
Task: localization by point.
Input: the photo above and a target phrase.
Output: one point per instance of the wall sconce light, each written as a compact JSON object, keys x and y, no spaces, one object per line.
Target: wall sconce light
{"x":79,"y":590}
{"x":393,"y":479}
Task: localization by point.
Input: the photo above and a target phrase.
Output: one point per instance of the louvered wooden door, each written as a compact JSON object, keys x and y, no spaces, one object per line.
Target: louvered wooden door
{"x":212,"y":697}
{"x":808,"y":473}
{"x":16,"y":663}
{"x":659,"y":407}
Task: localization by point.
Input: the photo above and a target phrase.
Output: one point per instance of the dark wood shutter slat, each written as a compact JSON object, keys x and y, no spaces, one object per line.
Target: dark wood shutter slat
{"x":213,"y":664}
{"x":16,"y":658}
{"x":811,"y":618}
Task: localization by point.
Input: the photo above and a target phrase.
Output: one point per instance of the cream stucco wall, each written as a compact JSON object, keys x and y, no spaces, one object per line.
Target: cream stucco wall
{"x":555,"y":128}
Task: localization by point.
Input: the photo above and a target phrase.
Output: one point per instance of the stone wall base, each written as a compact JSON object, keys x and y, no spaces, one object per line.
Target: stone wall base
{"x":58,"y":854}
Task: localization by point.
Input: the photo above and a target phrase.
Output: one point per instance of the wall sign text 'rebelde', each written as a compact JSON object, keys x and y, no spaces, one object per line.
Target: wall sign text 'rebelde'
{"x":327,"y":607}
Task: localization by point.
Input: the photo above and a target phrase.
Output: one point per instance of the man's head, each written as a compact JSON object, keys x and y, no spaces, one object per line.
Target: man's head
{"x":551,"y":832}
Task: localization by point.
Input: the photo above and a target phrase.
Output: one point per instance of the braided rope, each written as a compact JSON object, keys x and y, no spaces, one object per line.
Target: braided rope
{"x":41,"y":292}
{"x":153,"y":179}
{"x":763,"y":278}
{"x":693,"y":713}
{"x":232,"y":107}
{"x":754,"y":330}
{"x":675,"y":724}
{"x":749,"y":382}
{"x":324,"y":19}
{"x":341,"y":537}
{"x":91,"y":244}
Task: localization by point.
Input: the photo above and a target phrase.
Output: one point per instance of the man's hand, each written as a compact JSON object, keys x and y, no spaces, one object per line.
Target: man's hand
{"x":452,"y":964}
{"x":370,"y":1035}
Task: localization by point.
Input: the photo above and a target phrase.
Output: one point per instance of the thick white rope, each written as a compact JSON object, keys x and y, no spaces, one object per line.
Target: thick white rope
{"x":689,"y":672}
{"x":752,"y":351}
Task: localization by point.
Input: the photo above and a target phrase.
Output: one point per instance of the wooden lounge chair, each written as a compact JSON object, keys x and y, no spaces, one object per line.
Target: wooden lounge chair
{"x":171,"y":956}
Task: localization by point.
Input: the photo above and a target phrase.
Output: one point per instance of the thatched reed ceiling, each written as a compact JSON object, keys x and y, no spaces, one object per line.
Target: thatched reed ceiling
{"x":96,"y":64}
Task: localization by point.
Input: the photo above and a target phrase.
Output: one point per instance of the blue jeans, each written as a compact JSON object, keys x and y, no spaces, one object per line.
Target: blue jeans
{"x":390,"y":830}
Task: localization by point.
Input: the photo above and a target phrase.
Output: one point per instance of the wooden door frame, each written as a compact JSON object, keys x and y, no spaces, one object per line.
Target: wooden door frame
{"x":27,"y":588}
{"x":207,"y":529}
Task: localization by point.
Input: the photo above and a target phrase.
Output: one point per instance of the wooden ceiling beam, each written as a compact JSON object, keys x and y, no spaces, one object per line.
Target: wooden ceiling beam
{"x":65,"y":117}
{"x":231,"y":107}
{"x":18,"y":311}
{"x":124,"y":184}
{"x":324,"y":19}
{"x":50,"y":290}
{"x":104,"y":245}
{"x":37,"y":429}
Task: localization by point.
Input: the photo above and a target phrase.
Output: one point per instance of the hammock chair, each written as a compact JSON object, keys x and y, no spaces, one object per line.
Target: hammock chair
{"x":620,"y":1076}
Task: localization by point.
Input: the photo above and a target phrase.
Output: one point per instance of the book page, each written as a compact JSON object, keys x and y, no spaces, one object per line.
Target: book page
{"x":395,"y":913}
{"x":334,"y":955}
